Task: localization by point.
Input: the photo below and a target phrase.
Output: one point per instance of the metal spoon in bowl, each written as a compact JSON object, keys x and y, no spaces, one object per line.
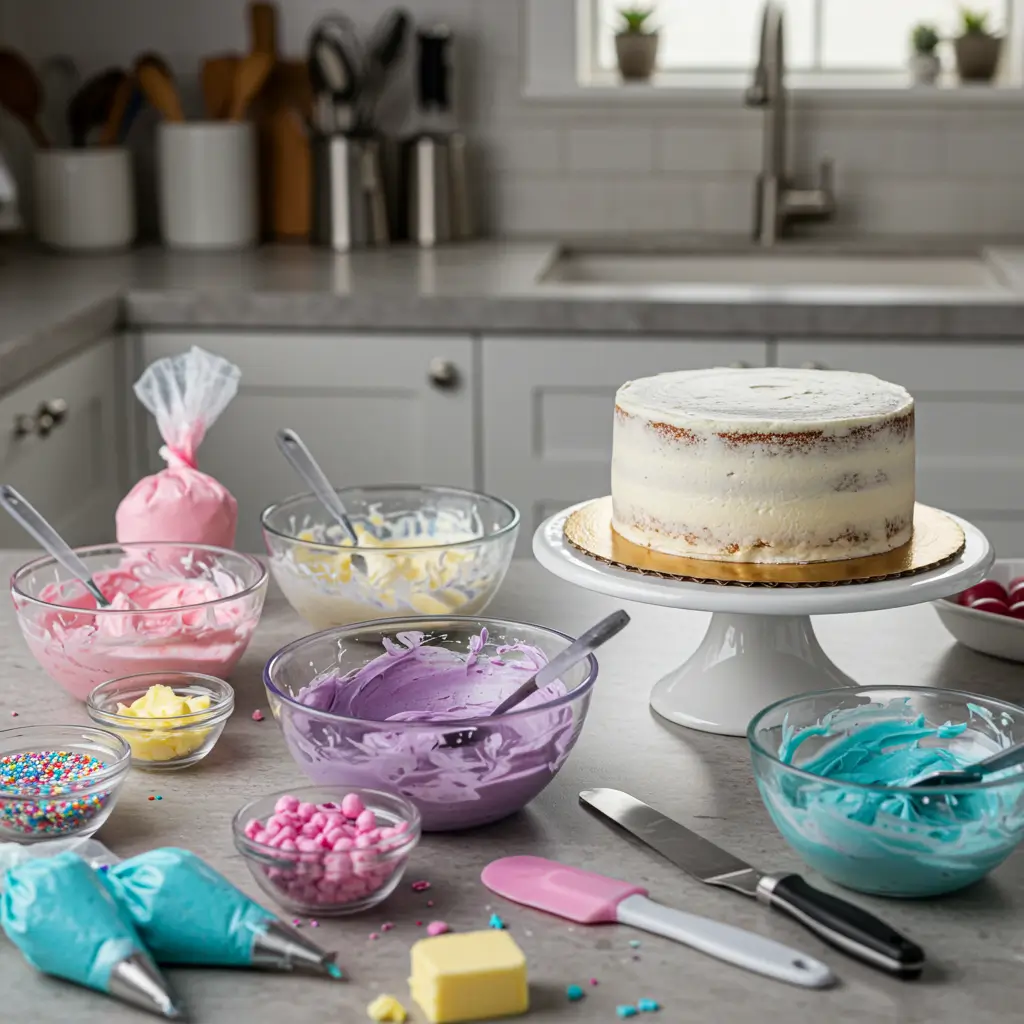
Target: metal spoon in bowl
{"x":301,"y":458}
{"x":1008,"y":757}
{"x":579,"y":649}
{"x":29,"y":519}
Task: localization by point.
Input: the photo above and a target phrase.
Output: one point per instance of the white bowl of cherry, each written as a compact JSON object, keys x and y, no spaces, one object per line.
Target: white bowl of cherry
{"x":989,"y":617}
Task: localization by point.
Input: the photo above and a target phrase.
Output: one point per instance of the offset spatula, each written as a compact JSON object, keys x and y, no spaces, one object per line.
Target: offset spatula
{"x":843,"y":925}
{"x":587,"y":898}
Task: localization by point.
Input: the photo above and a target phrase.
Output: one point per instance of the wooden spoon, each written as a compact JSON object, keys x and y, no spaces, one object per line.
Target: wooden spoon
{"x":218,"y":80}
{"x":252,"y":73}
{"x":118,"y":109}
{"x":263,"y":28}
{"x":157,"y":84}
{"x":91,"y":105}
{"x":22,"y":94}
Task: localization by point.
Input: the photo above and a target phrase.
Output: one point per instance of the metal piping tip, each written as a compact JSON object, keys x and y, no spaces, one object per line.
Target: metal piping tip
{"x":283,"y":949}
{"x":136,"y":981}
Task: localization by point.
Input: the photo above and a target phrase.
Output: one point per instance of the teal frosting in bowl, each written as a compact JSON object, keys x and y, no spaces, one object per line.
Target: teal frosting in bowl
{"x":847,"y":811}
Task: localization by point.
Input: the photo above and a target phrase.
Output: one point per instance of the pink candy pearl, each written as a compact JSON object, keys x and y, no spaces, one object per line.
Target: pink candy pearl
{"x":274,"y":826}
{"x":309,"y":830}
{"x":287,"y":833}
{"x":306,"y":844}
{"x":366,"y":820}
{"x":286,"y":803}
{"x":252,"y":828}
{"x":342,"y":845}
{"x":352,"y":805}
{"x":319,"y":819}
{"x":306,"y":811}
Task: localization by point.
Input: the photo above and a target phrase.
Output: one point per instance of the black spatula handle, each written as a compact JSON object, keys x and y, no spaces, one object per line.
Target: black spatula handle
{"x":843,"y":925}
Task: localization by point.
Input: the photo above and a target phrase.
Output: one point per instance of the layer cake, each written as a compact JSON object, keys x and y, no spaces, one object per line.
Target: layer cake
{"x":764,"y":465}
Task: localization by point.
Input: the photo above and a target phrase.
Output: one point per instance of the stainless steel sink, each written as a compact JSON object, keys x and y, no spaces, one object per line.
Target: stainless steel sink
{"x":775,"y":268}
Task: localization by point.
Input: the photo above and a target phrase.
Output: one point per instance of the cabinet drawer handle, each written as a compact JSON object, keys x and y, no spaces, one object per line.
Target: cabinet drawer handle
{"x":49,"y":415}
{"x":812,"y":364}
{"x":443,"y":374}
{"x":740,"y":364}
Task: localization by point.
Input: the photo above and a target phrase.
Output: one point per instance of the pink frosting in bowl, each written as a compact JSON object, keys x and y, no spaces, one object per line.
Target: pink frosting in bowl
{"x":373,"y":704}
{"x":173,"y":607}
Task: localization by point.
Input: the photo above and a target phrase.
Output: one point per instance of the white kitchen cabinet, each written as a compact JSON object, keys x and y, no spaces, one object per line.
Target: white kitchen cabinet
{"x":60,"y":446}
{"x":969,"y":421}
{"x":547,"y":410}
{"x":374,"y":408}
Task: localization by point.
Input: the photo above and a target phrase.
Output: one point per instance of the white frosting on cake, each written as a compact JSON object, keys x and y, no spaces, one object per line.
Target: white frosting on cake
{"x":765,"y":465}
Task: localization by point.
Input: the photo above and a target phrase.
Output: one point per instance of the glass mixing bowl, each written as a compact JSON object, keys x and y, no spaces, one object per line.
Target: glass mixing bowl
{"x":889,"y":840}
{"x":453,"y":787}
{"x":421,"y":551}
{"x":81,"y":646}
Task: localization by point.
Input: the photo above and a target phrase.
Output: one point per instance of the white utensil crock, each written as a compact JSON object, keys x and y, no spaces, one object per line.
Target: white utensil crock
{"x":208,"y":194}
{"x":84,"y":198}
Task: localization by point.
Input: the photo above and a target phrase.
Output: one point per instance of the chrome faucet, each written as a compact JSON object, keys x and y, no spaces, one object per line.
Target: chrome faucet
{"x":776,"y":201}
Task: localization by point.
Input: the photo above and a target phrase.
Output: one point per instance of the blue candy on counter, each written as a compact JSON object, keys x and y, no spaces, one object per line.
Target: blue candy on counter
{"x":66,"y":923}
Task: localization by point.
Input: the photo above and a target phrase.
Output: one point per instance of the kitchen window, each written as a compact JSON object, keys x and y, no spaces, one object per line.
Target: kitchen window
{"x":845,"y":51}
{"x":856,"y":36}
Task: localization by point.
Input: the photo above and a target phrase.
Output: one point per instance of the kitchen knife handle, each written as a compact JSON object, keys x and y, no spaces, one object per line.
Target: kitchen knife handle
{"x":843,"y":925}
{"x":725,"y":942}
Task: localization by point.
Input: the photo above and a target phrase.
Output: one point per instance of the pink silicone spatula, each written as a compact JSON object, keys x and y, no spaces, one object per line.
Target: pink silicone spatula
{"x":587,"y":898}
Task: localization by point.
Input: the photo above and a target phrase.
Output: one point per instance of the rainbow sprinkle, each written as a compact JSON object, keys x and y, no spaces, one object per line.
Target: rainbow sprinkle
{"x":59,"y":774}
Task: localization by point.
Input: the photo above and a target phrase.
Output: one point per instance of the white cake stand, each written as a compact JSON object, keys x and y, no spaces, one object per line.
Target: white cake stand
{"x":760,"y":646}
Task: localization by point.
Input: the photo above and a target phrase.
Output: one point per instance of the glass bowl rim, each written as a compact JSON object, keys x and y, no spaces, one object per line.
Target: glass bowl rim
{"x":93,"y":549}
{"x":462,"y":492}
{"x":409,"y":838}
{"x":429,"y":725}
{"x":225,"y":704}
{"x":100,"y":779}
{"x":934,"y":691}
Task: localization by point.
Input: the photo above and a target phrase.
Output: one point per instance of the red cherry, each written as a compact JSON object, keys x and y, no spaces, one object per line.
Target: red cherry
{"x":1017,"y":610}
{"x":992,"y":605}
{"x":1016,"y":586}
{"x":986,"y":588}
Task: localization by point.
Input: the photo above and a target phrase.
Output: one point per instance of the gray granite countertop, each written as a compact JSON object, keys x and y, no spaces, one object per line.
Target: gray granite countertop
{"x":54,"y":305}
{"x":973,"y":939}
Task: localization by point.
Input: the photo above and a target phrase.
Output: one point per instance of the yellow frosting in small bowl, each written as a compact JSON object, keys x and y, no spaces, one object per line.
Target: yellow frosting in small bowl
{"x":173,"y":722}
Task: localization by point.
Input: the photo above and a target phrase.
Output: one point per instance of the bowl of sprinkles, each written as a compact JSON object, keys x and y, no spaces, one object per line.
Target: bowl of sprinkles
{"x":58,"y":780}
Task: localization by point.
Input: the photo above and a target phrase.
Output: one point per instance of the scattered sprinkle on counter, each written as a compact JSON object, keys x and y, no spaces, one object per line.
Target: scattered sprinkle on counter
{"x":387,"y":1008}
{"x":57,"y":779}
{"x":626,"y":1011}
{"x":573,"y":993}
{"x":374,"y":936}
{"x":634,"y":943}
{"x":430,"y":903}
{"x":421,"y":886}
{"x":495,"y":922}
{"x":648,"y":1006}
{"x":469,"y":976}
{"x":419,"y":924}
{"x":387,"y":926}
{"x":437,"y":928}
{"x":335,"y":972}
{"x":296,"y":923}
{"x":313,"y":923}
{"x":257,"y":716}
{"x":14,"y":714}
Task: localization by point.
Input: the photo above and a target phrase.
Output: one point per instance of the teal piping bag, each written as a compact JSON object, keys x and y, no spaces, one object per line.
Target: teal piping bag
{"x":187,"y":913}
{"x":57,"y":910}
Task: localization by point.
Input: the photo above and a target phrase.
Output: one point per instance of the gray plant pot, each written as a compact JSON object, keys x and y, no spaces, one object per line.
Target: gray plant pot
{"x":637,"y":53}
{"x":924,"y":68}
{"x":977,"y":56}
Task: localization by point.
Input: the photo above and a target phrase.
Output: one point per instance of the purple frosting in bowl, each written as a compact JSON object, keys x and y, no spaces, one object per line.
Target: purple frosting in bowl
{"x":382,"y":724}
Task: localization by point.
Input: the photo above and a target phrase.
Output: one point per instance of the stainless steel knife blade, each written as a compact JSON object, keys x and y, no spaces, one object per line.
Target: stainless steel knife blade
{"x":687,"y":850}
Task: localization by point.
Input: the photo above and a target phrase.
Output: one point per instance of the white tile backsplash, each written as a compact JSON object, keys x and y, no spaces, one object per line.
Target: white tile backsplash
{"x":564,"y":169}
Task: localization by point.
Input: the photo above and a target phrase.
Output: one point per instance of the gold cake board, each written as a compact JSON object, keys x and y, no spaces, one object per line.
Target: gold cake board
{"x":937,"y":539}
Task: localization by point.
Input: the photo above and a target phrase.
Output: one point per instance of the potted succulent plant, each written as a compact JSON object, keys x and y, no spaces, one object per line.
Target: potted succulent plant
{"x":925,"y":65}
{"x":636,"y":45}
{"x":977,"y":50}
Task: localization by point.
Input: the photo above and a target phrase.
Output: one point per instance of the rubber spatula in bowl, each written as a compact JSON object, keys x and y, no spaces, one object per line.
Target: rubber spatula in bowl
{"x":32,"y":522}
{"x":588,"y":898}
{"x":294,"y":449}
{"x":580,"y":648}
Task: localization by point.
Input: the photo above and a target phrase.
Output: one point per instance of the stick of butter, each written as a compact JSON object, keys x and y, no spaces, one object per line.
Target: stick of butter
{"x":469,"y":976}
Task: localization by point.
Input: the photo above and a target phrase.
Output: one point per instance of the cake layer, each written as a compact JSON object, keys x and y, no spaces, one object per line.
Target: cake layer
{"x":769,"y":465}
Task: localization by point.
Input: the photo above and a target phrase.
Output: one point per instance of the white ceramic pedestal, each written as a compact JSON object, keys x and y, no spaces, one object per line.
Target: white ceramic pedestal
{"x":760,"y":646}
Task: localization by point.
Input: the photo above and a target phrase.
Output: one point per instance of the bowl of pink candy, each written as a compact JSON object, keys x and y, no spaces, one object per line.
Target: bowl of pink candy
{"x":173,"y":608}
{"x":989,"y":617}
{"x":326,"y":851}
